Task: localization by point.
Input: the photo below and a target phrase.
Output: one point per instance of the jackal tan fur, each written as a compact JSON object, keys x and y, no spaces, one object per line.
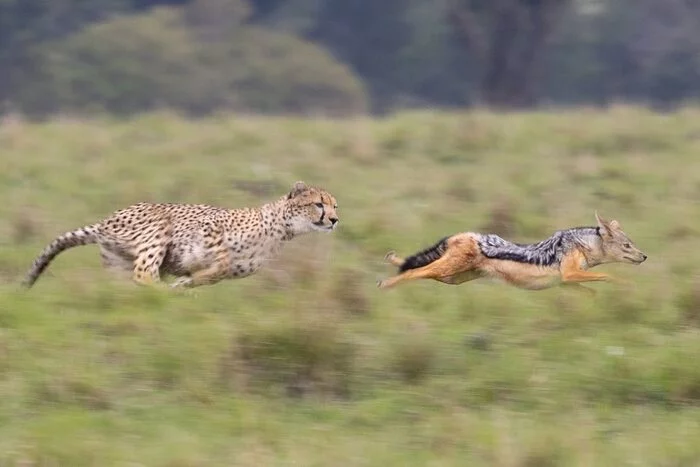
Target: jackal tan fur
{"x":563,"y":259}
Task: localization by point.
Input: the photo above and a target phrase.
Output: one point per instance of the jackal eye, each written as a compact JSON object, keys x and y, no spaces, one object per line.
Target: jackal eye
{"x":627,"y":245}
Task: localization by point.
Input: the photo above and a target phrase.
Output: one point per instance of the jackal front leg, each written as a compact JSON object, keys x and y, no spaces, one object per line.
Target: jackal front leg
{"x":585,"y":276}
{"x":571,"y":272}
{"x":581,"y":288}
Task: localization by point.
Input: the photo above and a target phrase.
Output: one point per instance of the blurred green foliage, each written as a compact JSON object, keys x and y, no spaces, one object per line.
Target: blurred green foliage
{"x":307,"y":362}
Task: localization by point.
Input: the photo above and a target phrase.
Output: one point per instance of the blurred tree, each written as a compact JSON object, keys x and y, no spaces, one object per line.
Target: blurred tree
{"x":665,"y":48}
{"x":433,"y":68}
{"x":121,"y":66}
{"x":502,"y":53}
{"x":216,"y":20}
{"x":507,"y":39}
{"x":635,"y":50}
{"x":198,"y":60}
{"x":403,"y":49}
{"x":370,"y":36}
{"x":27,"y":23}
{"x":299,"y":17}
{"x":148,"y":4}
{"x":270,"y":72}
{"x":263,"y":9}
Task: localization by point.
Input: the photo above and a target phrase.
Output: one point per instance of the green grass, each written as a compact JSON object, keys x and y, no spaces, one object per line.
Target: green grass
{"x":307,"y":363}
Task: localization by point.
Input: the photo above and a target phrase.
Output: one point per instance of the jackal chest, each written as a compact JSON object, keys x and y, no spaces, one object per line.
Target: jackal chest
{"x":526,"y":276}
{"x":583,"y":264}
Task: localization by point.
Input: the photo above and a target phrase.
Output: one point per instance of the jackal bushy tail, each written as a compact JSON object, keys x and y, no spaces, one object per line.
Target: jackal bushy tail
{"x":82,"y":236}
{"x":426,"y":256}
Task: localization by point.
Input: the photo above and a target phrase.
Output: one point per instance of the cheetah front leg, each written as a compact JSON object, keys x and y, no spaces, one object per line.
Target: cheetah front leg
{"x":181,"y":283}
{"x":208,"y":276}
{"x":147,"y":265}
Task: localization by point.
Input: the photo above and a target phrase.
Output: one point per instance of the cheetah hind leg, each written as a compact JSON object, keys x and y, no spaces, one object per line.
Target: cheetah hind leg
{"x":116,"y":262}
{"x":182,"y":283}
{"x":184,"y":286}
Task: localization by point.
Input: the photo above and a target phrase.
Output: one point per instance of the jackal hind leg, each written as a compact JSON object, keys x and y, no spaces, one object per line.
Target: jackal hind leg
{"x":461,"y":278}
{"x":451,"y":269}
{"x":425,"y":272}
{"x":393,"y":258}
{"x":455,"y":266}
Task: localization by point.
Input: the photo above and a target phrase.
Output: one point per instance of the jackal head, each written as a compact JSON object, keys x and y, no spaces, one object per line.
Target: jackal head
{"x":617,"y":246}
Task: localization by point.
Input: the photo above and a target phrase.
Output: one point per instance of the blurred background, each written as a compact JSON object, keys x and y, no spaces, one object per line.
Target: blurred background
{"x":338,"y":56}
{"x":423,"y":118}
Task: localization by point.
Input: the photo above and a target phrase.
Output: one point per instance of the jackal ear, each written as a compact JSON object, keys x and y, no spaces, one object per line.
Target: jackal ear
{"x":614,"y":225}
{"x":297,"y":188}
{"x":601,"y":222}
{"x":604,"y":226}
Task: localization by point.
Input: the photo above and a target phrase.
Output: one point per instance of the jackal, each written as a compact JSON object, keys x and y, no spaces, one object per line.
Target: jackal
{"x":562,"y":259}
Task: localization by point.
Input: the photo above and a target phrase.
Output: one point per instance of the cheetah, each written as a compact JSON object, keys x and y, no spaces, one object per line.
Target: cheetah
{"x":198,"y":244}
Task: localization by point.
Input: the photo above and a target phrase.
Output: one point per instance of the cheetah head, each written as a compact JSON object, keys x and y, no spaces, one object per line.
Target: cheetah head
{"x":310,"y":209}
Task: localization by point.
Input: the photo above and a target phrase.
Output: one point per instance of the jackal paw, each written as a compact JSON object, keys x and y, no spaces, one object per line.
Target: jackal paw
{"x":582,"y":288}
{"x":393,"y":258}
{"x":627,"y":284}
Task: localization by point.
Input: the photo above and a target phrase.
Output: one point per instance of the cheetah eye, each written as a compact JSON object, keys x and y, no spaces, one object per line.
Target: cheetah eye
{"x":319,"y":205}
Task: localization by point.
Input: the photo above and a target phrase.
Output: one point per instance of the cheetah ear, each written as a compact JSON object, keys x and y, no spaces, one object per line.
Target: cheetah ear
{"x":298,"y":188}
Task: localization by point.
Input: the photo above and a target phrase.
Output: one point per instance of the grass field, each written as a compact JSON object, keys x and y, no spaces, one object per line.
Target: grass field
{"x":308,"y":363}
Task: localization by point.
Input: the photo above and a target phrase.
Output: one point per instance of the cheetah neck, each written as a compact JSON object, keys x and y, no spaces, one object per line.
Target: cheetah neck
{"x":280,"y":215}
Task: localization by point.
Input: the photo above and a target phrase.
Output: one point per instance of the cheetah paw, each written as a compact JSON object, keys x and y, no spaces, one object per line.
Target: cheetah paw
{"x":181,"y":283}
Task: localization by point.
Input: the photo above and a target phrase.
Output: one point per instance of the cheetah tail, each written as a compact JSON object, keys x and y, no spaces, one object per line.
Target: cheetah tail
{"x":82,"y":236}
{"x":426,"y":256}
